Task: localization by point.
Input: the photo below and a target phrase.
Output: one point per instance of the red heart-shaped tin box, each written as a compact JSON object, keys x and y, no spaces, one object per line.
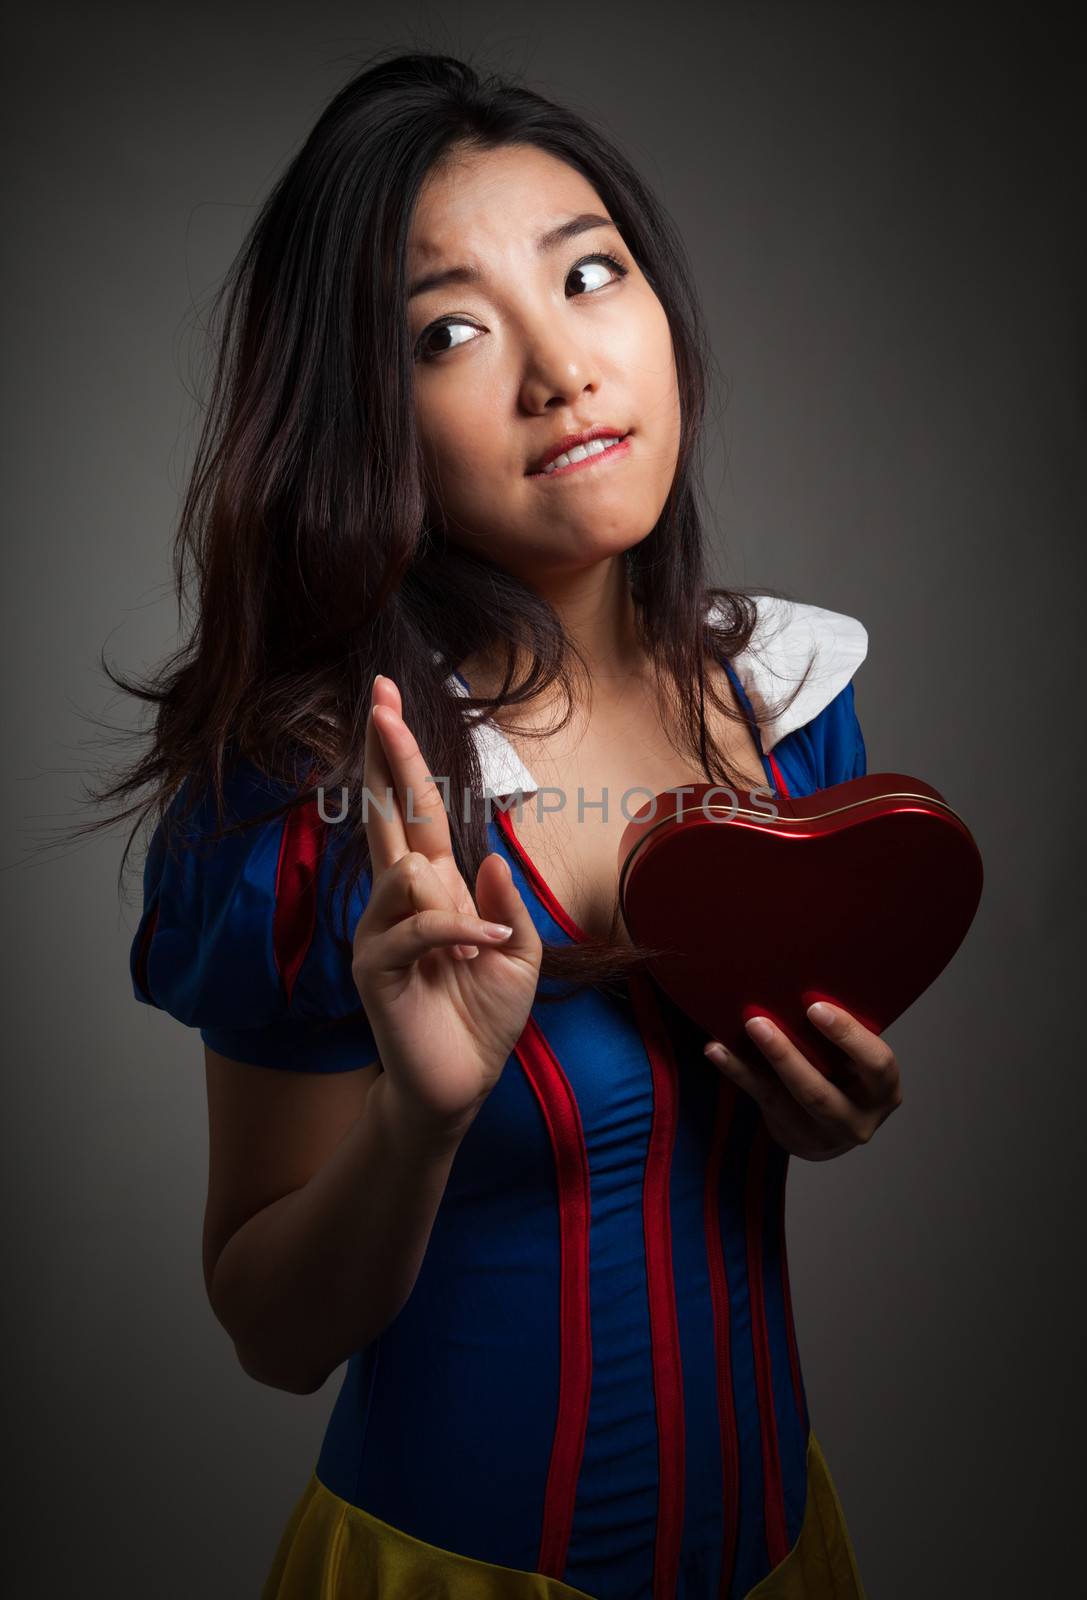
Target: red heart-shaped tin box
{"x":859,"y":894}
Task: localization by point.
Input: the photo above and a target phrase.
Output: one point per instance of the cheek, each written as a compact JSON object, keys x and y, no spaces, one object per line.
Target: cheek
{"x":460,"y":446}
{"x":661,"y":366}
{"x":472,"y":491}
{"x":648,"y":364}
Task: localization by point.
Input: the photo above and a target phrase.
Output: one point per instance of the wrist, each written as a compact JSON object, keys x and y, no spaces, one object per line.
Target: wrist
{"x":415,"y":1129}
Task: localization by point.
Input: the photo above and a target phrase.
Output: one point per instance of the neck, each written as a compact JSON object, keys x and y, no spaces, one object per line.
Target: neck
{"x":598,"y":616}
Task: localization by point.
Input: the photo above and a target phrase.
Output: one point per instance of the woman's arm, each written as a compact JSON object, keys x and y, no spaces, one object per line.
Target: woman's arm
{"x":331,"y":1188}
{"x":321,"y":1198}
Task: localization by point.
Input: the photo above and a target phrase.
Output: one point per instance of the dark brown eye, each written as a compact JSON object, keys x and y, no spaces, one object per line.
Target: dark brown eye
{"x":425,"y":353}
{"x":597,"y":260}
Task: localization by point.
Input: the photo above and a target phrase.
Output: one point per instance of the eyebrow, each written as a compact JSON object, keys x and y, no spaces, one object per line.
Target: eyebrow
{"x":550,"y":240}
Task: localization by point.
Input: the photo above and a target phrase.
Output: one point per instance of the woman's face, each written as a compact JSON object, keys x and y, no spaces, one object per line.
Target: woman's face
{"x":543,"y":343}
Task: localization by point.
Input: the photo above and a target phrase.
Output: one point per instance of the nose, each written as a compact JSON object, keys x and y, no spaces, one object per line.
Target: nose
{"x":558,"y":370}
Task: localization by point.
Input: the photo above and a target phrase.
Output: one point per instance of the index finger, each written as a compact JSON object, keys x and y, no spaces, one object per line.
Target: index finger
{"x":393,"y":762}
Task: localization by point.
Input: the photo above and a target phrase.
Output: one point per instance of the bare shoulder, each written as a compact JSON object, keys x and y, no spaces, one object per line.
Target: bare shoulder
{"x":269,"y":1131}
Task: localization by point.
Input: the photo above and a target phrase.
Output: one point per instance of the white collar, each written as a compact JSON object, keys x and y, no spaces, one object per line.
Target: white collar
{"x":787,"y":634}
{"x":501,"y":767}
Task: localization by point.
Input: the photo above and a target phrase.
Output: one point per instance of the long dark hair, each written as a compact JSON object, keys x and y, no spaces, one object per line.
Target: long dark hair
{"x":305,"y":533}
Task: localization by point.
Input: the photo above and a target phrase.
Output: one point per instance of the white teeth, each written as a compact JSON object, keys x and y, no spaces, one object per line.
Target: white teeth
{"x":595,"y":447}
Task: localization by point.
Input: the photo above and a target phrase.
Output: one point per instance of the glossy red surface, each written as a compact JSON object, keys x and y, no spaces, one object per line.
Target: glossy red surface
{"x":859,"y":894}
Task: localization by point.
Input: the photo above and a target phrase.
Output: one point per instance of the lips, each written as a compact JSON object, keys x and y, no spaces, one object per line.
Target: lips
{"x":600,"y":430}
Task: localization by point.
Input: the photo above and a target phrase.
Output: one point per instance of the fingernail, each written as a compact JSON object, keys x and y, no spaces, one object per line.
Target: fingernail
{"x":497,"y":930}
{"x":819,"y":1011}
{"x":716,"y":1052}
{"x":760,"y":1028}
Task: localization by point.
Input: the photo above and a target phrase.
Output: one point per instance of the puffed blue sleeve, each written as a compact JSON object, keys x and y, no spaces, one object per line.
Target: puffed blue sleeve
{"x":827,"y":750}
{"x":237,"y":940}
{"x":844,"y":753}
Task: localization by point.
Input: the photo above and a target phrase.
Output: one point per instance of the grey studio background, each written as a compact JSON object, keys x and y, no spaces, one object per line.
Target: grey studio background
{"x":882,"y":205}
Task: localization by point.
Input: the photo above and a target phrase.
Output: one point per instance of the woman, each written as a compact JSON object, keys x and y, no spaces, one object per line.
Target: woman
{"x":448,"y":481}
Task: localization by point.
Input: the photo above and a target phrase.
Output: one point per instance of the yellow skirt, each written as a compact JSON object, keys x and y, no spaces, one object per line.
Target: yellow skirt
{"x":331,"y":1550}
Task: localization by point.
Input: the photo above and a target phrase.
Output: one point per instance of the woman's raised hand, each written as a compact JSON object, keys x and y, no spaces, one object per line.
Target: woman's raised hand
{"x":446,"y":995}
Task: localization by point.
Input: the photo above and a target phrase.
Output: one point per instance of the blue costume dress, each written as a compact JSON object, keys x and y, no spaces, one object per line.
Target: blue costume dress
{"x":594,"y":1387}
